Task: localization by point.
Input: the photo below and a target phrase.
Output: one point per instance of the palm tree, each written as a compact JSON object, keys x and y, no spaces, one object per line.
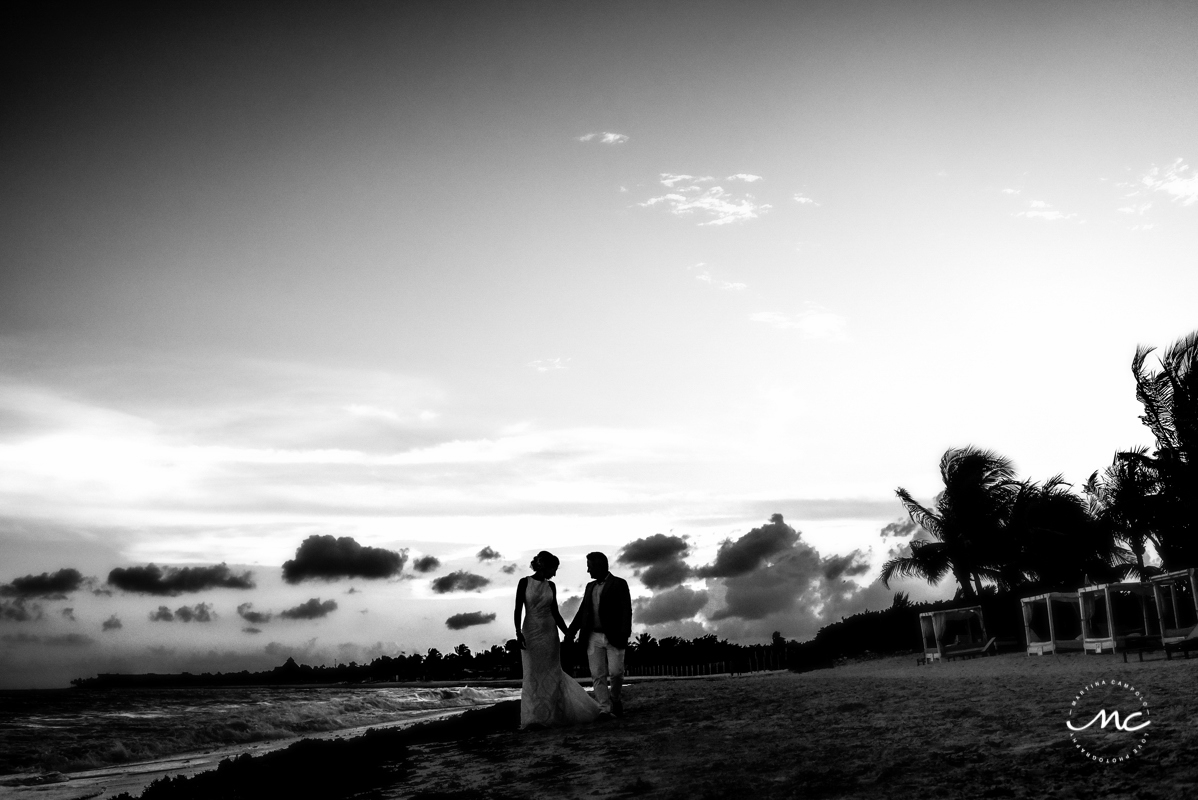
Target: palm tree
{"x":1170,"y":400}
{"x":965,"y":525}
{"x":1052,"y":538}
{"x":1123,"y":503}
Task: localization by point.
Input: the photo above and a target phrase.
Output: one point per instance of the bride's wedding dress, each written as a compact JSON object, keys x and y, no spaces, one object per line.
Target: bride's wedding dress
{"x":549,"y":697}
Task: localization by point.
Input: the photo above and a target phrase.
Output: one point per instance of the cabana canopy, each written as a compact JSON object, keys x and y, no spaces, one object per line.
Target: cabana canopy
{"x":1178,"y":618}
{"x":1063,"y":631}
{"x":1101,"y":630}
{"x":953,"y":633}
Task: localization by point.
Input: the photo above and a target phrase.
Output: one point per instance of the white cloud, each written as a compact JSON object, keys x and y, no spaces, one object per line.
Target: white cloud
{"x":1177,"y":180}
{"x":813,"y":322}
{"x":604,"y":138}
{"x":744,"y":176}
{"x":1136,"y":208}
{"x":705,"y":277}
{"x":1012,"y":191}
{"x":719,"y":205}
{"x":1038,"y":209}
{"x":549,"y":364}
{"x":804,"y":200}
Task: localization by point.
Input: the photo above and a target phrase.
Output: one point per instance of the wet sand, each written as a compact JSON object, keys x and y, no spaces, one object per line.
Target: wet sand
{"x":990,"y":727}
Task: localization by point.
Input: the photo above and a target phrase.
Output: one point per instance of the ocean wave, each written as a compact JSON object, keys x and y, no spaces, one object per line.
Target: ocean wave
{"x":130,"y":727}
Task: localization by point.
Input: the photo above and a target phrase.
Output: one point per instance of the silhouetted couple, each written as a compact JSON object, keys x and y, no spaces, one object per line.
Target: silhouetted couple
{"x":550,"y":697}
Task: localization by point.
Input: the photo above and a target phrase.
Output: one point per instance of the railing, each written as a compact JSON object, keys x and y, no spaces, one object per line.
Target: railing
{"x":740,"y":666}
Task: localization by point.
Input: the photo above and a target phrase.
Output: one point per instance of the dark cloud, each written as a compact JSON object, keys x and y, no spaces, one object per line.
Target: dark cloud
{"x":460,"y":581}
{"x":313,"y":609}
{"x":251,"y":630}
{"x":900,"y":529}
{"x":49,"y":586}
{"x":329,"y":558}
{"x":487,"y":554}
{"x":69,"y":613}
{"x":352,"y":590}
{"x":20,"y":610}
{"x":426,"y":563}
{"x":200,"y":612}
{"x":660,"y":556}
{"x":112,"y":623}
{"x":751,"y":550}
{"x":774,"y":587}
{"x":171,"y":581}
{"x":847,"y":565}
{"x":163,"y":614}
{"x":510,"y":569}
{"x":60,"y":640}
{"x":459,"y":621}
{"x":246,"y":612}
{"x":665,"y":575}
{"x":676,"y":604}
{"x":655,"y":549}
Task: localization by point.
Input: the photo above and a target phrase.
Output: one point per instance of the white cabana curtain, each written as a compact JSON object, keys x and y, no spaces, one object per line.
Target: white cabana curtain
{"x":938,"y":623}
{"x":1032,"y":636}
{"x":925,"y":624}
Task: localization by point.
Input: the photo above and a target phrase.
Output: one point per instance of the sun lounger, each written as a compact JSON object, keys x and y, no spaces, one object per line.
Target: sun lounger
{"x":1140,"y":644}
{"x":1184,"y":646}
{"x":969,"y":651}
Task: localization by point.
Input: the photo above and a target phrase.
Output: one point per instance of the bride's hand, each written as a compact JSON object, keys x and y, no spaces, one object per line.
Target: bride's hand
{"x":520,"y":640}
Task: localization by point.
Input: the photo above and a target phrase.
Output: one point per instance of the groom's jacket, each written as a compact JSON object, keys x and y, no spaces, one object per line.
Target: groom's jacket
{"x":615,"y":612}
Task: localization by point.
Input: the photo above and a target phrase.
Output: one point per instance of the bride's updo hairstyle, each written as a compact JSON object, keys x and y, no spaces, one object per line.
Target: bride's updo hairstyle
{"x":545,"y":559}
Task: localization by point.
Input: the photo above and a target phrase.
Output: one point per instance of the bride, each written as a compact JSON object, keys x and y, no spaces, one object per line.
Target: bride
{"x":549,"y":696}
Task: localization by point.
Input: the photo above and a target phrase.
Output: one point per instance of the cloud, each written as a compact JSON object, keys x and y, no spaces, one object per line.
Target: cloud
{"x":1038,"y":209}
{"x":69,"y":613}
{"x":570,"y":606}
{"x":849,"y":565}
{"x":604,"y":138}
{"x":1176,"y":180}
{"x":744,"y":176}
{"x":426,"y":563}
{"x":460,"y":581}
{"x":51,"y":587}
{"x":660,"y":556}
{"x":716,"y":204}
{"x":750,"y":551}
{"x":728,"y":286}
{"x":550,"y":364}
{"x":20,"y":610}
{"x":487,"y":554}
{"x":152,"y":579}
{"x":328,"y":558}
{"x":60,"y":640}
{"x":900,"y":529}
{"x":200,"y":612}
{"x":1139,"y":209}
{"x":246,"y":612}
{"x":677,"y":604}
{"x":509,"y":569}
{"x":312,"y":609}
{"x":814,"y":322}
{"x":251,"y":630}
{"x":651,"y":550}
{"x":459,"y":621}
{"x":804,"y":200}
{"x":772,"y":588}
{"x":112,"y":623}
{"x":163,"y":614}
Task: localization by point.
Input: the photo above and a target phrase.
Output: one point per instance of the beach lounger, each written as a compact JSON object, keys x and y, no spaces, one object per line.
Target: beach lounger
{"x":1184,"y":646}
{"x":971,"y":652}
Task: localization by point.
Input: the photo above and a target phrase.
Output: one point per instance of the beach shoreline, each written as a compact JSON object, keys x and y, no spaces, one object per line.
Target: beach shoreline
{"x":882,"y":728}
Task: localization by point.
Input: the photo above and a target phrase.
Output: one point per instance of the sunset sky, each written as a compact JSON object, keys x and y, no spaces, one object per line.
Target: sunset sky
{"x":473,"y":280}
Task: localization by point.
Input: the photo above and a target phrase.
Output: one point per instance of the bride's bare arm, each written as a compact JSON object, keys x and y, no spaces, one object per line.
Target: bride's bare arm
{"x":557,"y":615}
{"x":519,"y":607}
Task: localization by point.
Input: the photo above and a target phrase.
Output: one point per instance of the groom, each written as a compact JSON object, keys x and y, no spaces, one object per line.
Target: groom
{"x":605,"y":619}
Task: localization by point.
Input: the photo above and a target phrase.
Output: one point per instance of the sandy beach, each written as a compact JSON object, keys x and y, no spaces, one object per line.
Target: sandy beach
{"x":990,"y":727}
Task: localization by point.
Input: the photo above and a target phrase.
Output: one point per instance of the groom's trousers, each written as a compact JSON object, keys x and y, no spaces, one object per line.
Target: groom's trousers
{"x":607,"y":671}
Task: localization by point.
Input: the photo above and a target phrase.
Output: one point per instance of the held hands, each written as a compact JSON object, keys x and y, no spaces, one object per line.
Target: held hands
{"x":520,"y":640}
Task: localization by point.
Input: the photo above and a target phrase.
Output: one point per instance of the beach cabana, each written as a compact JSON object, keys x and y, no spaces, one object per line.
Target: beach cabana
{"x":953,"y":633}
{"x":1176,"y":595}
{"x":1113,"y":612}
{"x":1052,"y":623}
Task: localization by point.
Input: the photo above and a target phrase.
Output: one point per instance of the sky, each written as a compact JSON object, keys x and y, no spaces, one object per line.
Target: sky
{"x":402,"y":294}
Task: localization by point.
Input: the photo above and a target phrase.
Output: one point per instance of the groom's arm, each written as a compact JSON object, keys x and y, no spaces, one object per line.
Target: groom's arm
{"x":623,"y":599}
{"x":576,"y":623}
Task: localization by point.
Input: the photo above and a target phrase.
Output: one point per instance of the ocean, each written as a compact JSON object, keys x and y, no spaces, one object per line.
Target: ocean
{"x":69,"y":730}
